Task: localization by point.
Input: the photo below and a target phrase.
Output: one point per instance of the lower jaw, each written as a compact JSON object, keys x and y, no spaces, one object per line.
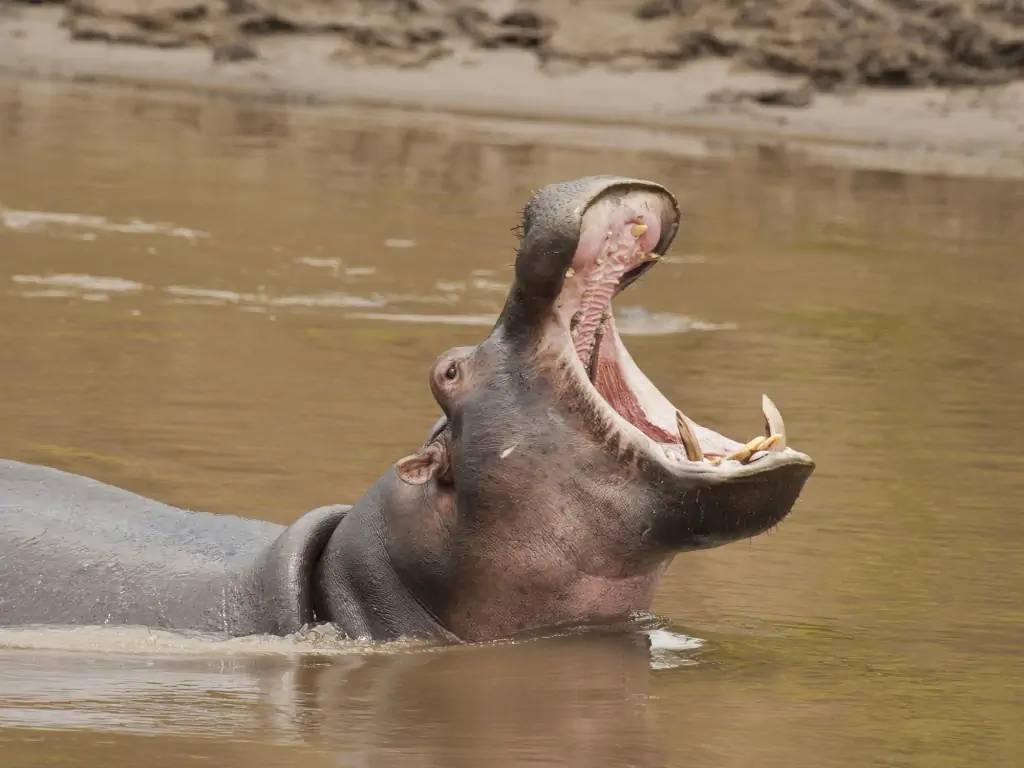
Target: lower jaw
{"x":645,"y":419}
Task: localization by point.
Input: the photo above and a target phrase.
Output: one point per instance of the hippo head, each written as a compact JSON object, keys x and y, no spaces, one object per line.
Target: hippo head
{"x":561,"y":481}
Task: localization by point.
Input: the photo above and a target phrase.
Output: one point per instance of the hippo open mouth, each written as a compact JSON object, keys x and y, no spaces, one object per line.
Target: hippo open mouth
{"x":619,"y":235}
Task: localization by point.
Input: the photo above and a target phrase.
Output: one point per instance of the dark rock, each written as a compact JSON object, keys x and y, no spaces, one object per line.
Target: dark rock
{"x":268,"y":24}
{"x":655,"y":9}
{"x":830,"y":43}
{"x":233,"y":50}
{"x":785,"y":97}
{"x":518,"y":29}
{"x":522,"y":18}
{"x":801,"y":96}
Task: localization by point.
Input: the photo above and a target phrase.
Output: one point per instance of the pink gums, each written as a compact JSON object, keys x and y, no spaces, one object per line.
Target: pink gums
{"x":618,"y":251}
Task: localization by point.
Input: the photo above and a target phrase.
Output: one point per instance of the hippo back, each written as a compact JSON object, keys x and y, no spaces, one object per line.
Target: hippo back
{"x":77,"y":551}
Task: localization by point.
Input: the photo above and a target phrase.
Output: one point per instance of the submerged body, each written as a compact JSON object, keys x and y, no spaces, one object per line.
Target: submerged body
{"x":74,"y":550}
{"x":556,"y":489}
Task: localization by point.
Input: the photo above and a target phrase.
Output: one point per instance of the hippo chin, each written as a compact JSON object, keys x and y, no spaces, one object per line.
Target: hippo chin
{"x":555,"y":490}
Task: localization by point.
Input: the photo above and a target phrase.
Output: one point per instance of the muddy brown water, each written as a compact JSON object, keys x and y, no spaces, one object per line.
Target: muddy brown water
{"x":233,"y":307}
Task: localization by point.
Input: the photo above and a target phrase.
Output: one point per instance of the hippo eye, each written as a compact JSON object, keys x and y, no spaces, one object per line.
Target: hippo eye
{"x":452,"y":372}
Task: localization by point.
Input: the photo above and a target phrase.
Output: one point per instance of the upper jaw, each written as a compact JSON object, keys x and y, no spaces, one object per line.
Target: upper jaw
{"x":552,"y":229}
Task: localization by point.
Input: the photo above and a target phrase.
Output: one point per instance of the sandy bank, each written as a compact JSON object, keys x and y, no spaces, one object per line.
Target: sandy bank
{"x":696,"y":107}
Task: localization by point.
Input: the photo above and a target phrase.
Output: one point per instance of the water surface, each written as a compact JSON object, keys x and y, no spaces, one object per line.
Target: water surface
{"x":233,"y":307}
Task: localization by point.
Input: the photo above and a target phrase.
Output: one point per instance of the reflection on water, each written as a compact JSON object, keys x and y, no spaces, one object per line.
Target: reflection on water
{"x":233,"y":307}
{"x":543,"y":699}
{"x":579,"y":701}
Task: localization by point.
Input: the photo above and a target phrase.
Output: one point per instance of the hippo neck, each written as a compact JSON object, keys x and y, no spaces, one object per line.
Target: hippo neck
{"x":357,"y":587}
{"x":283,"y":573}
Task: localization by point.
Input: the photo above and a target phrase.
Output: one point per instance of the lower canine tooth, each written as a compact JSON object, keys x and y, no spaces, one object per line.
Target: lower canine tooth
{"x":773,"y":424}
{"x":755,"y":444}
{"x":688,"y":439}
{"x":739,"y":455}
{"x":744,"y":453}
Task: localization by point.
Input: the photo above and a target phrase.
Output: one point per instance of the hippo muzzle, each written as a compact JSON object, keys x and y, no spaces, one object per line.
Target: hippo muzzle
{"x":583,"y":243}
{"x":561,"y":482}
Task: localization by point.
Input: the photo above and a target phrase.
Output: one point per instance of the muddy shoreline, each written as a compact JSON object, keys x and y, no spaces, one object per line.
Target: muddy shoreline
{"x":917,"y":121}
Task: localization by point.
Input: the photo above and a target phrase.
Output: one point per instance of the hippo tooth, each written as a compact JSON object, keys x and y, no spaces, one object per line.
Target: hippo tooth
{"x":773,"y":442}
{"x":773,"y":424}
{"x":745,"y":452}
{"x":637,"y":229}
{"x":741,"y":455}
{"x":689,"y":441}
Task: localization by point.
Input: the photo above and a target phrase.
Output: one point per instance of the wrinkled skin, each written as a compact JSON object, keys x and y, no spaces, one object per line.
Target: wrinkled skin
{"x":534,"y":502}
{"x":544,"y":513}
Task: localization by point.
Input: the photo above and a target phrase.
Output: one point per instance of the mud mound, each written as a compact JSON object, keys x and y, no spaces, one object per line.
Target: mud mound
{"x":831,"y":42}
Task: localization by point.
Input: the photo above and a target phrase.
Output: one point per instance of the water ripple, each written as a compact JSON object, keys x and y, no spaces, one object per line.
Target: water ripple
{"x":79,"y":282}
{"x":36,"y":221}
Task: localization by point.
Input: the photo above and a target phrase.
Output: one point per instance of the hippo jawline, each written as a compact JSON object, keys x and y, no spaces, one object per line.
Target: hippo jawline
{"x":617,"y":235}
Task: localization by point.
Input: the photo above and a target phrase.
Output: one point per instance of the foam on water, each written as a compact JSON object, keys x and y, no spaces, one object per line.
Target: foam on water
{"x":668,"y":649}
{"x":47,"y":293}
{"x":637,"y":321}
{"x":88,"y":283}
{"x":322,"y":639}
{"x":485,"y":321}
{"x":216,"y":295}
{"x":331,"y":263}
{"x":671,"y":650}
{"x":36,"y":221}
{"x":479,"y":283}
{"x":631,"y":321}
{"x":340,"y":300}
{"x":693,"y":258}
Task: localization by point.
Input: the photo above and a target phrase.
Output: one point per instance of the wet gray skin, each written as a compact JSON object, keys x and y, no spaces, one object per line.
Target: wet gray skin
{"x":541,"y":502}
{"x":555,"y":491}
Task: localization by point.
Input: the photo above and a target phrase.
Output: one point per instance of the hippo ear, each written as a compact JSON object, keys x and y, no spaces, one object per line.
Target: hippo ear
{"x":430,"y":463}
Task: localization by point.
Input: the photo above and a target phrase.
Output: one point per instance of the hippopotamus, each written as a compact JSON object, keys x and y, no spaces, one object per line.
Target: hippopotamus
{"x":554,"y":490}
